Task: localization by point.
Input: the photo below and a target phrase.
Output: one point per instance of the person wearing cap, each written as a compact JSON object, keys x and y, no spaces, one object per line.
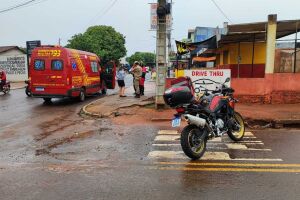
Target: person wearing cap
{"x":137,"y":74}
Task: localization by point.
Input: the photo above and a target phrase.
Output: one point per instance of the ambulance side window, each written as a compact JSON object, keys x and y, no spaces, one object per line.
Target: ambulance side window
{"x":57,"y":65}
{"x":39,"y":65}
{"x":94,"y":67}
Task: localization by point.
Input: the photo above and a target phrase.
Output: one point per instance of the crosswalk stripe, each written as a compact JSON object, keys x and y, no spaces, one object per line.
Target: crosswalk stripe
{"x":168,"y":132}
{"x":207,"y":156}
{"x":247,"y":133}
{"x":166,"y":138}
{"x":236,"y":146}
{"x":180,"y":155}
{"x":213,"y":147}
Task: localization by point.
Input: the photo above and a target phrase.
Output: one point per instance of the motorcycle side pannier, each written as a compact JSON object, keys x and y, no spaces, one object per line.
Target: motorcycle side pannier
{"x":177,"y":95}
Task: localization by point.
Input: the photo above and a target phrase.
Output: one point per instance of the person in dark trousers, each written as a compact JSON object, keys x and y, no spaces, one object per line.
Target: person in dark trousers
{"x":121,"y":83}
{"x":142,"y":80}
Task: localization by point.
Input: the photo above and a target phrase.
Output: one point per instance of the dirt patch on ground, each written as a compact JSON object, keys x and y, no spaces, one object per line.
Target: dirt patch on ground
{"x":46,"y":149}
{"x":52,"y":126}
{"x":142,"y":115}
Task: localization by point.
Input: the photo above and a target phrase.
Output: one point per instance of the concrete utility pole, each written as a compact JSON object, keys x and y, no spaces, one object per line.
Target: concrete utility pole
{"x":161,"y":53}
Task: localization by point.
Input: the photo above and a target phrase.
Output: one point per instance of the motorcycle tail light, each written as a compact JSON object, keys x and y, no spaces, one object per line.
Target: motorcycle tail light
{"x":231,"y":104}
{"x":180,"y":110}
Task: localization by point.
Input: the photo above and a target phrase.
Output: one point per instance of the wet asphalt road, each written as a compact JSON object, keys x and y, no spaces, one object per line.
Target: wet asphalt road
{"x":50,"y":152}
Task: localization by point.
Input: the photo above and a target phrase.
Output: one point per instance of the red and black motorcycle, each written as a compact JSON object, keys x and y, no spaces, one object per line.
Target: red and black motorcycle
{"x":6,"y":88}
{"x":211,"y":116}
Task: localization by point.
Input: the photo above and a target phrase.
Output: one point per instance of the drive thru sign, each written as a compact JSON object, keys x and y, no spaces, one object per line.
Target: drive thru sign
{"x":208,"y":78}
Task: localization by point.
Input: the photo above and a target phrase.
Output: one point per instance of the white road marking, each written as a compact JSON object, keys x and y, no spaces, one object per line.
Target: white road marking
{"x":248,"y":134}
{"x":214,"y":147}
{"x":165,"y":145}
{"x":248,"y":149}
{"x":218,"y":139}
{"x":236,"y":146}
{"x":168,"y":132}
{"x":166,"y":138}
{"x":207,"y":156}
{"x":220,"y":144}
{"x":250,"y":137}
{"x":180,"y":155}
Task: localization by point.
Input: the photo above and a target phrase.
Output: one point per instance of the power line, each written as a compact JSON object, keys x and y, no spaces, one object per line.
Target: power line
{"x":103,"y":13}
{"x":17,"y":6}
{"x":221,"y":11}
{"x":38,"y":2}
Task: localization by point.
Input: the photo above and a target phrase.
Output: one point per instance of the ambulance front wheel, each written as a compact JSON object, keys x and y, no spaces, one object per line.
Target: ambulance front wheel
{"x":82,"y":95}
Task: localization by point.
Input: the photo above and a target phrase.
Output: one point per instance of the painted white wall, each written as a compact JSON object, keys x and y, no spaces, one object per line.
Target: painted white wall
{"x":14,"y":63}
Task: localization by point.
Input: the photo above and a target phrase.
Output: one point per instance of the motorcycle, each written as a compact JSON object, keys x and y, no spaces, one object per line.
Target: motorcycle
{"x":211,"y":116}
{"x":27,"y":88}
{"x":6,"y":88}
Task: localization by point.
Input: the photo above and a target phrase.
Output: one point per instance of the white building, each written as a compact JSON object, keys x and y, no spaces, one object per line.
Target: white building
{"x":13,"y":61}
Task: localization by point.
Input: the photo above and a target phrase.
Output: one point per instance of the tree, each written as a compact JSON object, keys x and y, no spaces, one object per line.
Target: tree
{"x":104,"y":41}
{"x":145,"y":57}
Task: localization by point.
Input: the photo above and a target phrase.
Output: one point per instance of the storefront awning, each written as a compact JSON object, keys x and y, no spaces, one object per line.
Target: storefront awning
{"x":251,"y":32}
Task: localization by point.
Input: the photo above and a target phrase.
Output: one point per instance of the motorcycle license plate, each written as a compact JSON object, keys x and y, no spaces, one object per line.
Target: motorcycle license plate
{"x":176,"y":122}
{"x":39,"y":89}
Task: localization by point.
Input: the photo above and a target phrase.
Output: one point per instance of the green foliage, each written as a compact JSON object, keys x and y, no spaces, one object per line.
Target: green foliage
{"x":145,"y":57}
{"x":104,"y":41}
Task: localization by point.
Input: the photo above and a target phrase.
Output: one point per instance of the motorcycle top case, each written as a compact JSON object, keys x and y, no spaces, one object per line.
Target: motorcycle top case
{"x":178,"y":95}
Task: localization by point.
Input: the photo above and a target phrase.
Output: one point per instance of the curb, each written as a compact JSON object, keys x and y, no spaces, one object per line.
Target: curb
{"x":17,"y":88}
{"x":85,"y":112}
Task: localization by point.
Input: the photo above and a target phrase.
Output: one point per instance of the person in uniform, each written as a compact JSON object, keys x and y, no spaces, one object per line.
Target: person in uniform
{"x":137,"y":74}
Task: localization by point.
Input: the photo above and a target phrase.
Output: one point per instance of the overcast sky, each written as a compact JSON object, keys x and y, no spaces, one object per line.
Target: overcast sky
{"x":52,"y":19}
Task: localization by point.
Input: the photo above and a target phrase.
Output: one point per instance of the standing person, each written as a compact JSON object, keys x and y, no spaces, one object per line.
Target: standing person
{"x":121,"y":83}
{"x":3,"y":79}
{"x":142,"y":80}
{"x":137,"y":73}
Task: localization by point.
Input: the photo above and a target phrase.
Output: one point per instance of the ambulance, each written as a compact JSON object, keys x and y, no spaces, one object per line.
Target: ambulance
{"x":58,"y":72}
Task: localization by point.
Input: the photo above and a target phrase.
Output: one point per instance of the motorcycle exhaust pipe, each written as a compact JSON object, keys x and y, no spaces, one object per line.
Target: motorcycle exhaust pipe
{"x":191,"y":119}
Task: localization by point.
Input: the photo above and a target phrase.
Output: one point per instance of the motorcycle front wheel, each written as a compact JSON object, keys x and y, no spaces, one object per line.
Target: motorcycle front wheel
{"x":237,"y":131}
{"x":192,"y":142}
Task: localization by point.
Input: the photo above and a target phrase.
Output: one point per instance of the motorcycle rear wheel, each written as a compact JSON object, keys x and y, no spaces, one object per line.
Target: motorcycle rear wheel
{"x":237,"y":135}
{"x":190,"y":143}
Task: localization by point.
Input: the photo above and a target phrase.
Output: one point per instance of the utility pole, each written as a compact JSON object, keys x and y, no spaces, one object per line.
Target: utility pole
{"x":161,"y":53}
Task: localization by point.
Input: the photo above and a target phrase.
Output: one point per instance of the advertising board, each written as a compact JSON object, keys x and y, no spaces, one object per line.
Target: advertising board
{"x":207,"y":79}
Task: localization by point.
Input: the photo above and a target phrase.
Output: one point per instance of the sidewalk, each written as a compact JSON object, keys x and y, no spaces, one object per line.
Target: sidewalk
{"x":275,"y":115}
{"x":255,"y":115}
{"x":17,"y":85}
{"x":109,"y":105}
